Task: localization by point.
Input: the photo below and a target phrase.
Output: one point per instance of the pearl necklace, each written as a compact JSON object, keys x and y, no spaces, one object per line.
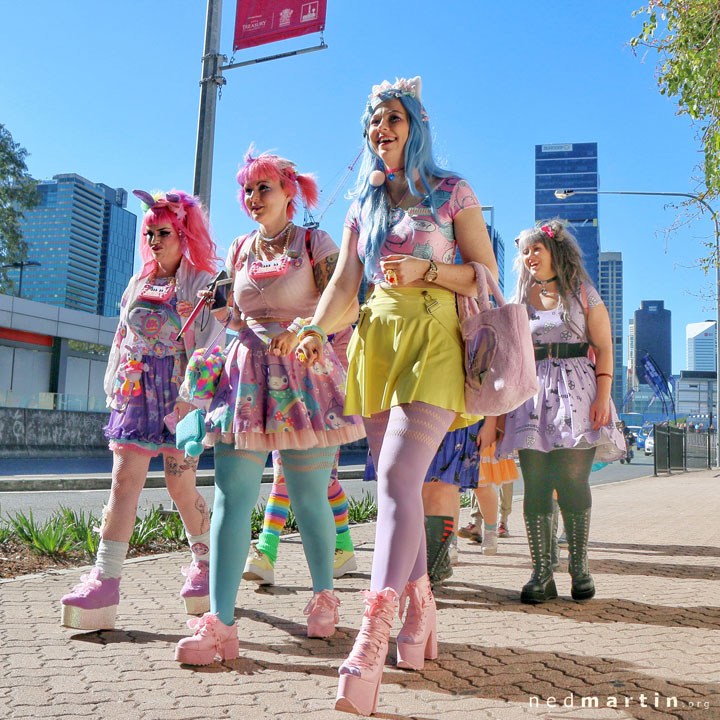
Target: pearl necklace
{"x":266,"y":245}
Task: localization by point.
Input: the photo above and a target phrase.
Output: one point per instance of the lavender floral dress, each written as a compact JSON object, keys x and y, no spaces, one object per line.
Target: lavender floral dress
{"x":559,"y":415}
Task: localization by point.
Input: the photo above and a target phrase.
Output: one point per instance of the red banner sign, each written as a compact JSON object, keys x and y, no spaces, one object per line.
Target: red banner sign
{"x":258,"y":22}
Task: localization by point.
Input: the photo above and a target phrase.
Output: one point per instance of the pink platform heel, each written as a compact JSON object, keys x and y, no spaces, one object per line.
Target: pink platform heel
{"x":322,"y":614}
{"x":361,"y":673}
{"x":212,"y":638}
{"x":92,"y":604}
{"x":417,"y":640}
{"x":195,"y":591}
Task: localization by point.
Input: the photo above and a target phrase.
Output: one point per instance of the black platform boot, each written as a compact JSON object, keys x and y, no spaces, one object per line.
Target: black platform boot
{"x":541,"y":586}
{"x":577,"y":530}
{"x":438,"y":535}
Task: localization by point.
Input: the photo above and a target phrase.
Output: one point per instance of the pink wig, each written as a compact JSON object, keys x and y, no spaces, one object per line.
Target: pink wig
{"x":189,"y":220}
{"x":271,"y":167}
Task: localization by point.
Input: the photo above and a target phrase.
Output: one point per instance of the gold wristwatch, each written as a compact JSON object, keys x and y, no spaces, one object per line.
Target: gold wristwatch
{"x":432,"y":273}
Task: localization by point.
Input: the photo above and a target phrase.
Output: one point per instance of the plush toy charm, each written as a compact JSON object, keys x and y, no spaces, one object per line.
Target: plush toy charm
{"x":132,"y":371}
{"x":203,"y":373}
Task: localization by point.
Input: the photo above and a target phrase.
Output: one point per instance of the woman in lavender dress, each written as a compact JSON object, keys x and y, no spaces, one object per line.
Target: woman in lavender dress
{"x":571,"y":423}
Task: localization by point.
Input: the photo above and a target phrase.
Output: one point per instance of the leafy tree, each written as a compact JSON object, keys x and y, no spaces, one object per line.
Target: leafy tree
{"x":18,"y":192}
{"x":686,"y":35}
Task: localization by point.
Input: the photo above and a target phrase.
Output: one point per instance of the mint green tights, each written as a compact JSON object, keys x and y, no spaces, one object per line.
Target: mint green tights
{"x":238,"y":474}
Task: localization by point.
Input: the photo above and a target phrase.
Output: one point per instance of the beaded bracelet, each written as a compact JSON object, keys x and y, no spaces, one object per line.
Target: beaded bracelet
{"x":297,"y":325}
{"x":597,"y":375}
{"x":312,"y":330}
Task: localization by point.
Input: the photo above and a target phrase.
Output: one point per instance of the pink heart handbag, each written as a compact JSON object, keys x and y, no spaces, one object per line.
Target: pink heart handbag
{"x":499,"y":357}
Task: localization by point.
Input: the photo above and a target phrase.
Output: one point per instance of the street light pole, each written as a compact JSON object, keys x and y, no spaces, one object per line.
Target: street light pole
{"x":22,"y":264}
{"x":563,"y":194}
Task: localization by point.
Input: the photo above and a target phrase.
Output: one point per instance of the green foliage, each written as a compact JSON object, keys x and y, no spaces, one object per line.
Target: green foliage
{"x":18,"y":192}
{"x":363,"y":510}
{"x":686,"y":35}
{"x":147,"y":529}
{"x":52,"y":538}
{"x":83,"y":528}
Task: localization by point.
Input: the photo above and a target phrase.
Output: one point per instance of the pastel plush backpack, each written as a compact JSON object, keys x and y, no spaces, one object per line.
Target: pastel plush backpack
{"x":499,"y":358}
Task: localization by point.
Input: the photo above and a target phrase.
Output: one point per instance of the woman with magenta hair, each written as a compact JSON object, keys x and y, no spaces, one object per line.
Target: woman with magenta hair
{"x":145,"y":370}
{"x":267,"y":400}
{"x":406,"y":375}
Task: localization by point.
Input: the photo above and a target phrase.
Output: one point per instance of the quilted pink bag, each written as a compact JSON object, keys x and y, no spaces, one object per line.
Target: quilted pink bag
{"x":499,"y":358}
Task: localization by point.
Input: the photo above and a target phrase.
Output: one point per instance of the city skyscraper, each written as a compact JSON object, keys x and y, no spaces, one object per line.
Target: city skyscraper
{"x":84,"y":239}
{"x":610,"y":287}
{"x":570,"y":166}
{"x":653,"y":335}
{"x":701,"y":346}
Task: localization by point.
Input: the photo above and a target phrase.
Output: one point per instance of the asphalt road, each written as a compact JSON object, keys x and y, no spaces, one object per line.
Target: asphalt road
{"x":44,"y":504}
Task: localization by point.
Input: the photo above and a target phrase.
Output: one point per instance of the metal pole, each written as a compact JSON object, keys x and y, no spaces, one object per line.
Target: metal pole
{"x":22,"y":267}
{"x":210,"y":79}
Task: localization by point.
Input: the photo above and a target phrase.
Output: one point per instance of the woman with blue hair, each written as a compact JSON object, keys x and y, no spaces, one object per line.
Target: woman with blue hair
{"x":406,"y":375}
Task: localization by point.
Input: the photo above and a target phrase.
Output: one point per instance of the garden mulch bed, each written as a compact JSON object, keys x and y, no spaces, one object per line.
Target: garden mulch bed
{"x":18,"y":559}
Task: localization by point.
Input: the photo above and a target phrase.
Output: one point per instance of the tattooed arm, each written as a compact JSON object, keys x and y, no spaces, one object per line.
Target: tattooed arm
{"x":323,"y":271}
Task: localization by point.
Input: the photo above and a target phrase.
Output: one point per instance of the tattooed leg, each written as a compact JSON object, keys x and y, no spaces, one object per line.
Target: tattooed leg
{"x":180,"y":480}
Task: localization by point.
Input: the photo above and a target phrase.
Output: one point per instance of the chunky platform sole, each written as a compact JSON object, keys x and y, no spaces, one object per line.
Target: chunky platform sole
{"x":535,"y":597}
{"x":83,"y":619}
{"x":229,"y":650}
{"x":320,"y":630}
{"x":267,"y":579}
{"x":412,"y":656}
{"x":348,"y":566}
{"x":197,"y":605}
{"x":583,"y":594}
{"x":356,"y":695}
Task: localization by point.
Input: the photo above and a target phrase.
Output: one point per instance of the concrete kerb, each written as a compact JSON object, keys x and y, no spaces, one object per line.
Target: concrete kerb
{"x":102,"y":481}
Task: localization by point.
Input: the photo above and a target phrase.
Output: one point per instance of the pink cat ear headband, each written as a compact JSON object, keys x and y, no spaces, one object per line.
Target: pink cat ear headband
{"x":172,"y":201}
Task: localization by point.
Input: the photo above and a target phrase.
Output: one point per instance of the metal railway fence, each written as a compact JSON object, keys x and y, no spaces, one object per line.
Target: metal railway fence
{"x":677,"y":449}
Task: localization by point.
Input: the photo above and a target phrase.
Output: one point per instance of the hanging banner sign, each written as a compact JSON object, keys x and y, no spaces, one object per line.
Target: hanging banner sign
{"x":653,"y":376}
{"x":258,"y":22}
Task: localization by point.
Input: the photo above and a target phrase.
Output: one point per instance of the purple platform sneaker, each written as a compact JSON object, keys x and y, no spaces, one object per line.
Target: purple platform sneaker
{"x":92,"y":604}
{"x":195,"y":592}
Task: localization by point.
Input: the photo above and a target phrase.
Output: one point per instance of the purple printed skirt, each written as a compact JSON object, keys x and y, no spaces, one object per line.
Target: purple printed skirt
{"x":141,"y":426}
{"x":559,"y":415}
{"x":264,"y":402}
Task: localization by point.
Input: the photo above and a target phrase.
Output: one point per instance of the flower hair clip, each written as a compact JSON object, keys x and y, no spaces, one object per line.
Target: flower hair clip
{"x":548,"y":231}
{"x":401,"y":86}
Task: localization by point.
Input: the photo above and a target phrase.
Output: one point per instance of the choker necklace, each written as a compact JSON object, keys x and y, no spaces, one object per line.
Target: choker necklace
{"x":544,"y":283}
{"x":266,"y":245}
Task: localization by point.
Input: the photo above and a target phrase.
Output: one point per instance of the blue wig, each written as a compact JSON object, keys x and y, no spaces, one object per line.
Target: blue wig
{"x":419,"y":165}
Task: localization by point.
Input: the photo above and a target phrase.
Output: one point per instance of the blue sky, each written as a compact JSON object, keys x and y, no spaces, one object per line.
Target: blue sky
{"x":110,"y":91}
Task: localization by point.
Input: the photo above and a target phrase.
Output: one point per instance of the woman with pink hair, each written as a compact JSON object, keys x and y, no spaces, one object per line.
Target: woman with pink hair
{"x":145,"y":369}
{"x":268,"y":400}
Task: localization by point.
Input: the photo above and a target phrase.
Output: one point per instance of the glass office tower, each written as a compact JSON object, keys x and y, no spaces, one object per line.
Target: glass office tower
{"x":570,"y":166}
{"x":84,"y":239}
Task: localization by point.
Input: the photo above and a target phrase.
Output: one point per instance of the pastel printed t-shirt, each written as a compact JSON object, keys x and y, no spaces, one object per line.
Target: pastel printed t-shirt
{"x":415,"y":231}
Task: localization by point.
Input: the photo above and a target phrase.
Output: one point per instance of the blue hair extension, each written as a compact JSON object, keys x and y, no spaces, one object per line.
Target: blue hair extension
{"x":419,"y":164}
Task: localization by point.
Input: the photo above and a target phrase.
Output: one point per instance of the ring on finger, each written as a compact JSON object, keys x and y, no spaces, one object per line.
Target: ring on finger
{"x":391,"y":276}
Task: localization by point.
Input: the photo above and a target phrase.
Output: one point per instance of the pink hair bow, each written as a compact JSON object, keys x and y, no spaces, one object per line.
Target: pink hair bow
{"x":548,"y":231}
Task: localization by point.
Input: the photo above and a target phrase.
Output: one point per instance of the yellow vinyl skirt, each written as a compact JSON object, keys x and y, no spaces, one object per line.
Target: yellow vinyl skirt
{"x":407,"y":348}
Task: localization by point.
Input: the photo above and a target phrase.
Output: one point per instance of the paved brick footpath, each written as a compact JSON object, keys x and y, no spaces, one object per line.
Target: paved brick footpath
{"x":651,"y":635}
